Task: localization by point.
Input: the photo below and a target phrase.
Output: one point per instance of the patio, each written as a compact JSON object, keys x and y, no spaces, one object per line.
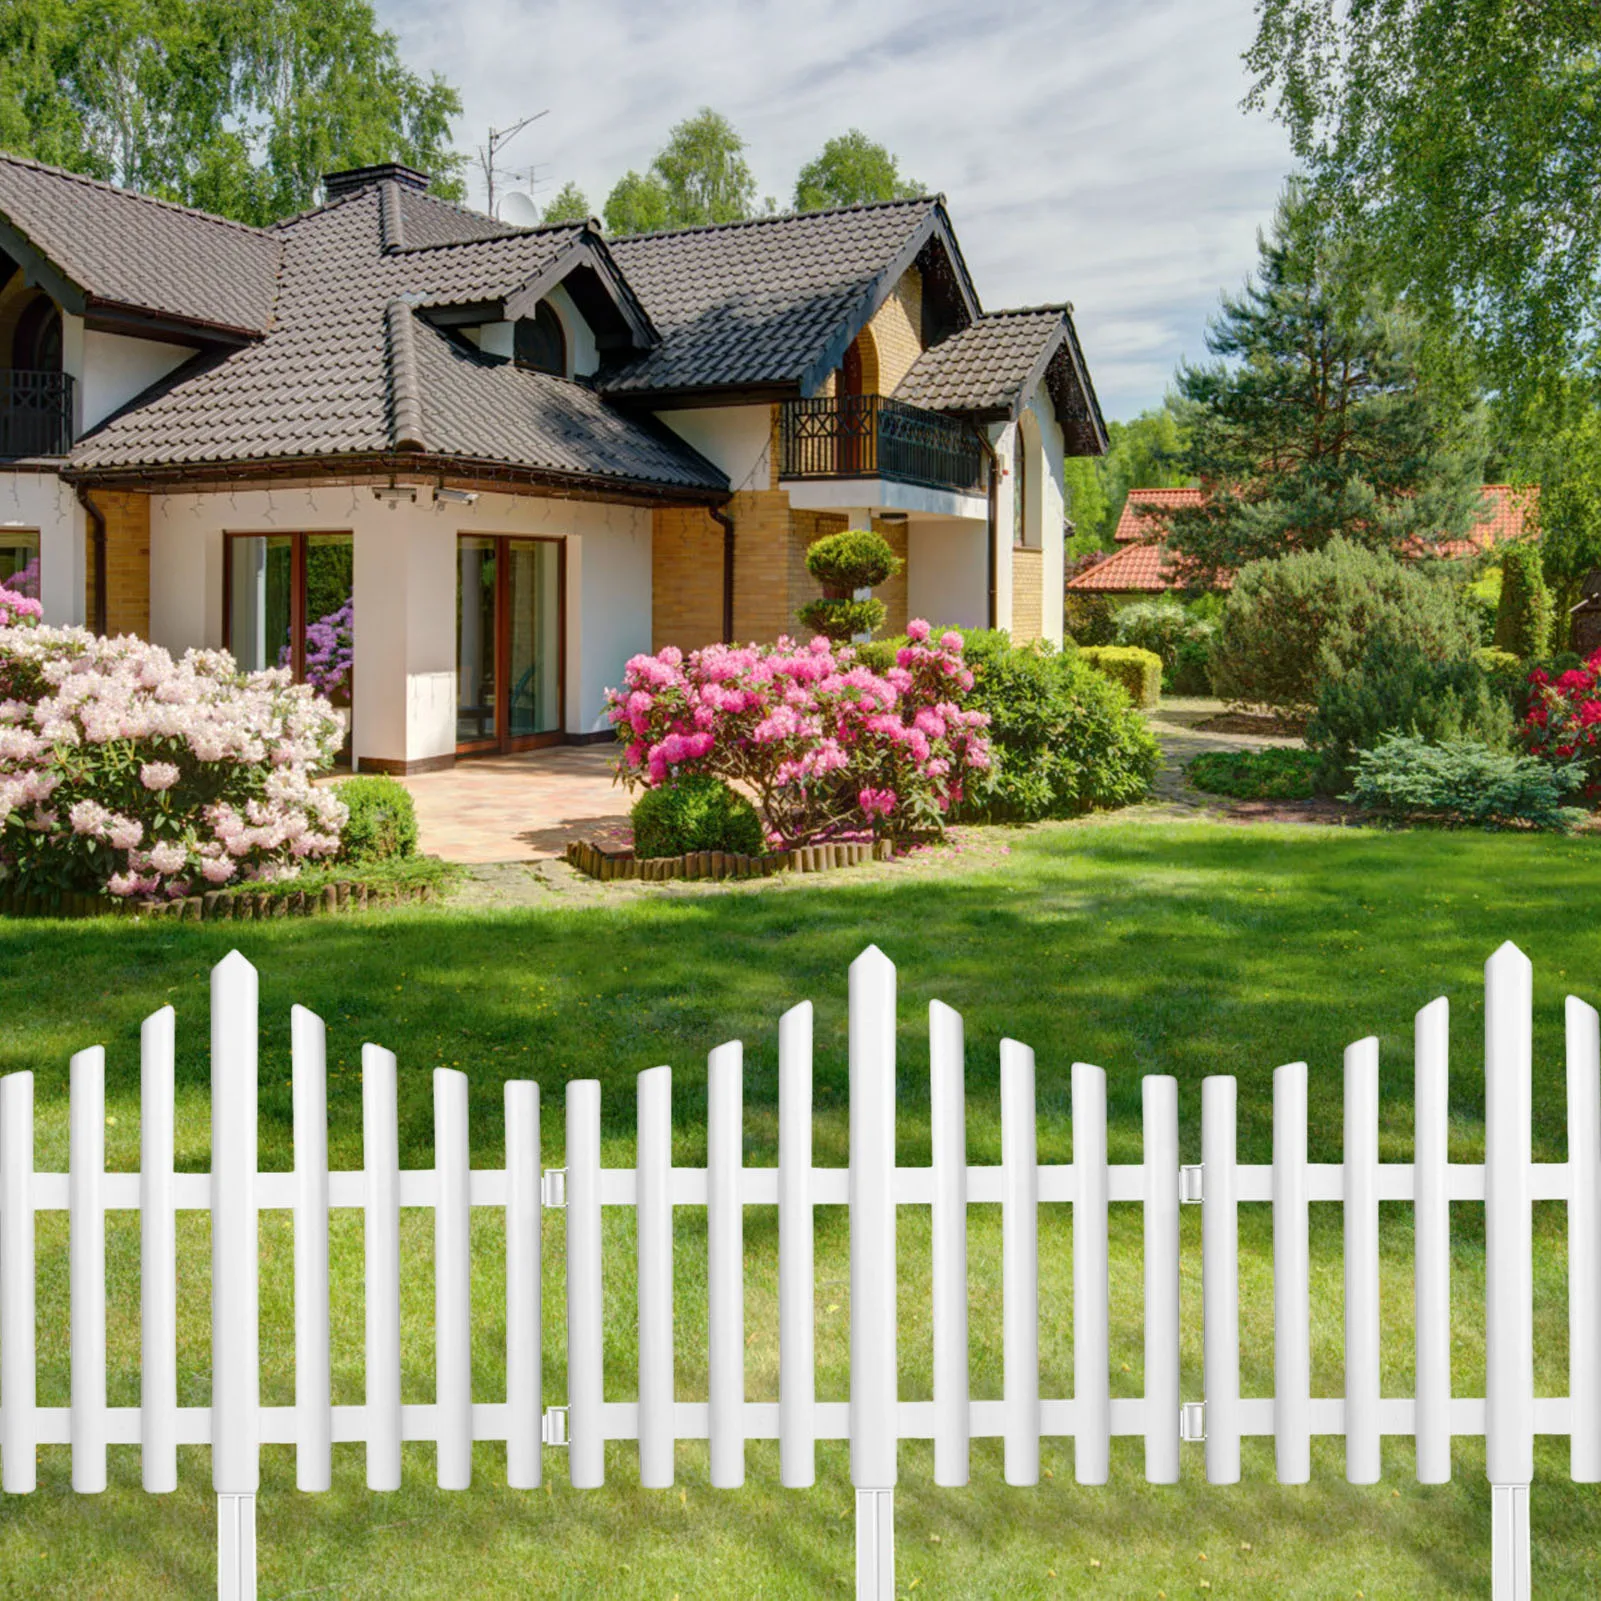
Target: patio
{"x":519,"y":808}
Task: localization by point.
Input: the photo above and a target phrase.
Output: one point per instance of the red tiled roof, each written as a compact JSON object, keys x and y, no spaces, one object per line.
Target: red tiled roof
{"x":1141,"y":565}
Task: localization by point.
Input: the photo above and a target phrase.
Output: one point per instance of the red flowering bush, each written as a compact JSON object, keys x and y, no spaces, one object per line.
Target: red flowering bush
{"x":1564,"y":718}
{"x":820,"y":742}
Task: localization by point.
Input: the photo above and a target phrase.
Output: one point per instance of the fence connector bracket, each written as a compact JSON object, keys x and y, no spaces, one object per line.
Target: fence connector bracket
{"x":553,"y":1188}
{"x":1192,"y":1185}
{"x":553,"y":1425}
{"x":1192,"y":1419}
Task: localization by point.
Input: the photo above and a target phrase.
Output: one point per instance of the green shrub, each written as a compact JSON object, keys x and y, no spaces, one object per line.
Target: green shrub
{"x":1089,"y":619}
{"x":843,"y":564}
{"x":1482,"y":597}
{"x":1174,"y":633}
{"x":383,"y":822}
{"x":1463,"y":782}
{"x":1277,"y":773}
{"x":1063,"y":738}
{"x":1497,"y":663}
{"x":1526,"y":615}
{"x":1138,"y":671}
{"x":878,"y":655}
{"x":1398,"y":690}
{"x":1192,"y":672}
{"x":697,"y":813}
{"x":1293,"y":623}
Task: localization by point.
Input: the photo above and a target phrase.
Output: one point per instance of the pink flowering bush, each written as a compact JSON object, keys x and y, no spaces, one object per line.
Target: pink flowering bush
{"x":126,"y":771}
{"x":18,"y":610}
{"x":820,"y":742}
{"x":1564,"y":718}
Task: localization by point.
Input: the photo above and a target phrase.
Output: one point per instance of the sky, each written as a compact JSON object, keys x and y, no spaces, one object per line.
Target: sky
{"x":1092,"y":153}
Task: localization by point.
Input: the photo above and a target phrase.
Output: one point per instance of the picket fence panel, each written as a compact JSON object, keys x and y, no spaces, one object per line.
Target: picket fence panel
{"x":873,"y":1187}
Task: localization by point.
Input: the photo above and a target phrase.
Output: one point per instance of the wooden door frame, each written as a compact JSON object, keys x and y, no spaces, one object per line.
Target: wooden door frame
{"x":503,"y":743}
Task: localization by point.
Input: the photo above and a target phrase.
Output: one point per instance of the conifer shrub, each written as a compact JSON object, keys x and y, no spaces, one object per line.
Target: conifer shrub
{"x":1526,"y":614}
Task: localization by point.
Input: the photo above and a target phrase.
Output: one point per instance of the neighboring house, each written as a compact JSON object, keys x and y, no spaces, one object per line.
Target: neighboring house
{"x":505,"y":460}
{"x":1141,"y":566}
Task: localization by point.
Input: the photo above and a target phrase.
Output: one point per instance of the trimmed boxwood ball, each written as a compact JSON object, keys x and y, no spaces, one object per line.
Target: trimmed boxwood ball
{"x":697,"y":813}
{"x":383,"y":822}
{"x":859,"y":558}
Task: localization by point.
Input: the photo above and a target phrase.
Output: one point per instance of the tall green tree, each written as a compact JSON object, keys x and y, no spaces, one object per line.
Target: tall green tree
{"x":1145,"y":453}
{"x":568,"y":204}
{"x":237,"y":106}
{"x":1460,"y":140}
{"x":1320,"y":419}
{"x":851,"y":170}
{"x":699,"y":176}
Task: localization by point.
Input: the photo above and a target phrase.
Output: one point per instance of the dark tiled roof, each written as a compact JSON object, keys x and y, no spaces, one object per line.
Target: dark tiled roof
{"x":124,"y":249}
{"x":758,"y":302}
{"x":347,"y":368}
{"x":992,"y":366}
{"x":425,"y":221}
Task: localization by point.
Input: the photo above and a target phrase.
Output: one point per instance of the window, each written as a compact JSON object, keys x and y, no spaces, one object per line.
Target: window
{"x":19,"y":561}
{"x":509,"y":642}
{"x":36,"y":343}
{"x":1019,"y":486}
{"x":538,"y":342}
{"x":289,"y":602}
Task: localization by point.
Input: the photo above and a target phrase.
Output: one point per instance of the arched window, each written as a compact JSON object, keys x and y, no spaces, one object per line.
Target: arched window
{"x":539,"y":343}
{"x":36,"y":343}
{"x":1020,"y":485}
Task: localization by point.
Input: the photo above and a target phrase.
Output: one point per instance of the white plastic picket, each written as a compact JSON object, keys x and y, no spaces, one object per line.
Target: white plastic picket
{"x":874,"y":1187}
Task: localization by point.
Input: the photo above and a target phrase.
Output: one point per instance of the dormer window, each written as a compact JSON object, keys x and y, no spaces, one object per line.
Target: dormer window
{"x":36,"y":343}
{"x":539,"y":342}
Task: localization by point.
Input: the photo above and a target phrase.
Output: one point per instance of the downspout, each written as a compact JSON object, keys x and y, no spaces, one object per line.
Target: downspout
{"x":992,"y":505}
{"x":98,"y":520}
{"x":726,"y":522}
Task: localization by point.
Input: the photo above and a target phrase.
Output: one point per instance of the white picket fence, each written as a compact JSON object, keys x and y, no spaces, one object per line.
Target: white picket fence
{"x":874,"y":1420}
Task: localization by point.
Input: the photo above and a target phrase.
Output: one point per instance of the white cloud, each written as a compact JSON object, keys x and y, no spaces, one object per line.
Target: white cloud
{"x":1091,"y":153}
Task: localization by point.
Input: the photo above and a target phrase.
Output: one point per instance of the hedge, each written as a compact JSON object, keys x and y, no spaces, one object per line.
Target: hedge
{"x":1138,"y":671}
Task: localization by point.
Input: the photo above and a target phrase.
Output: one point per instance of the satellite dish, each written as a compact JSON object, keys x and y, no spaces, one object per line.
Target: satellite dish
{"x":519,"y":210}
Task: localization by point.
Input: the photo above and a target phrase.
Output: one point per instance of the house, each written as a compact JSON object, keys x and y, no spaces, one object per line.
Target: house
{"x":456,"y":473}
{"x":1141,"y":566}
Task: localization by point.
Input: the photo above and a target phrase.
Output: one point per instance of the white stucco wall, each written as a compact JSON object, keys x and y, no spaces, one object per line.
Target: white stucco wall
{"x":405,"y":593}
{"x":40,"y":502}
{"x":947,"y":577}
{"x":116,"y":368}
{"x":1051,"y":509}
{"x":583,"y":355}
{"x":739,"y":439}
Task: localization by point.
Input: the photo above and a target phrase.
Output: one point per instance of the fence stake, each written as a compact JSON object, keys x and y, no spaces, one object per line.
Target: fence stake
{"x":1292,"y":1293}
{"x":158,"y":1258}
{"x":381,"y":1241}
{"x":1092,"y":1349}
{"x":654,"y":1202}
{"x":725,"y":1264}
{"x":453,"y":1361}
{"x":235,"y":1319}
{"x":1509,"y":1542}
{"x":586,"y":1445}
{"x":1220,"y":1278}
{"x":1584,"y":1239}
{"x":18,"y":1337}
{"x":87,"y":1267}
{"x":948,"y":1119}
{"x":797,"y":1381}
{"x":1361,"y":1212}
{"x":313,"y":1355}
{"x":1020,"y":1265}
{"x":524,"y":1335}
{"x":1159,"y":1098}
{"x":1432,"y":1241}
{"x":874,"y":1399}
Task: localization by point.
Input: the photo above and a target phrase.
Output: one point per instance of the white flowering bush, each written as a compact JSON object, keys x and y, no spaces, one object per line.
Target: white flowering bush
{"x":122,"y":770}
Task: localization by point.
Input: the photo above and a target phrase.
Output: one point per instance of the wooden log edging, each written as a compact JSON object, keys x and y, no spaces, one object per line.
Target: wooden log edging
{"x":221,"y":905}
{"x":609,"y":864}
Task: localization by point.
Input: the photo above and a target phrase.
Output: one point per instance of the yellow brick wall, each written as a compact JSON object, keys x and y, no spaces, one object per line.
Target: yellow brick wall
{"x":893,"y":594}
{"x":1028,"y":586}
{"x":686,"y":578}
{"x":897,"y":331}
{"x":127,"y":562}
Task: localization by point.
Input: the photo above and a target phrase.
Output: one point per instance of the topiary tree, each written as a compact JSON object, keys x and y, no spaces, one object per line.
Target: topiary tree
{"x":1526,"y":614}
{"x":844,"y":565}
{"x":1293,"y":623}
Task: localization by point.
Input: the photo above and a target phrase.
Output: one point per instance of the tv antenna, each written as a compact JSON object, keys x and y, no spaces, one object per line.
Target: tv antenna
{"x":489,"y":152}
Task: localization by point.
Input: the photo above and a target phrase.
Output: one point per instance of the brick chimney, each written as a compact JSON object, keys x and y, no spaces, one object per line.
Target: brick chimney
{"x":338,"y":184}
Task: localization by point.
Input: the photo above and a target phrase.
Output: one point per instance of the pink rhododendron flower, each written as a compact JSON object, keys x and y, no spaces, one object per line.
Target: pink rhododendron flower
{"x":158,"y":775}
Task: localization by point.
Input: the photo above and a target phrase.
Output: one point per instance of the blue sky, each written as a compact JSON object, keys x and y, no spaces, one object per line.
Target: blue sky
{"x":1093,"y":153}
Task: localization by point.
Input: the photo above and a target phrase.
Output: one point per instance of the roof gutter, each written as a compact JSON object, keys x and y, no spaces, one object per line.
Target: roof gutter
{"x":726,"y":523}
{"x":97,"y":520}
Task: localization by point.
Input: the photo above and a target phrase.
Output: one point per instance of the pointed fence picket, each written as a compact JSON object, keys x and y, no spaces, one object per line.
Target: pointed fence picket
{"x":874,"y":1419}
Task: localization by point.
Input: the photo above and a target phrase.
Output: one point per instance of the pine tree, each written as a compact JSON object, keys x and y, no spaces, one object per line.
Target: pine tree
{"x":1525,"y":615}
{"x":1320,"y":420}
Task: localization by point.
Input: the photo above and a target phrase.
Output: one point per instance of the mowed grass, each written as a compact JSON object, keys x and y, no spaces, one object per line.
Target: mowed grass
{"x":1187,"y":949}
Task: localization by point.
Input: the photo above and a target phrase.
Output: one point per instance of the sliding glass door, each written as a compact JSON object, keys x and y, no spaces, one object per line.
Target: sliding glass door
{"x":509,"y":645}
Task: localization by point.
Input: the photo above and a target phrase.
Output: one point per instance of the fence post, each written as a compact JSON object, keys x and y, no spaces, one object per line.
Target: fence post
{"x":1220,"y":1279}
{"x":797,"y":1364}
{"x":235,"y":1336}
{"x":948,"y":1130}
{"x":1159,"y":1097}
{"x":1509,"y":1266}
{"x":874,"y":1401}
{"x":18,"y":1380}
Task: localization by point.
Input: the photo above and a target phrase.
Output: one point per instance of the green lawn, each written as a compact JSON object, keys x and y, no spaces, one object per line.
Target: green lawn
{"x":1189,"y":949}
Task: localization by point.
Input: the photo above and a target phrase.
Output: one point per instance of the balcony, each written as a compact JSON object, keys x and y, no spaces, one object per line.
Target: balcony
{"x":35,"y":413}
{"x":873,"y":436}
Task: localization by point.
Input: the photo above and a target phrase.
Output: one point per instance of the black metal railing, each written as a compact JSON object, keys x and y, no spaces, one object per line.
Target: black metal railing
{"x":874,"y":436}
{"x":35,"y":413}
